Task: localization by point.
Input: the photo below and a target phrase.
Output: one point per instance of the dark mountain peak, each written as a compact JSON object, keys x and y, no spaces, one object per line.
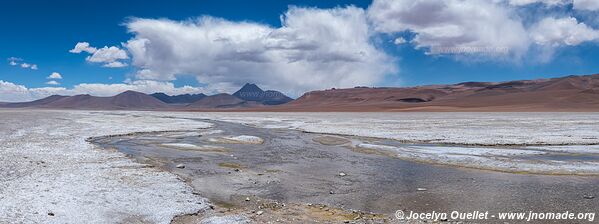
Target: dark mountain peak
{"x":251,"y":92}
{"x":159,"y":95}
{"x":249,"y":88}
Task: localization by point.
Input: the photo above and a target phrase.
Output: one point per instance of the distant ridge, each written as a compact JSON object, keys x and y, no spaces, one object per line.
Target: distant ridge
{"x":221,"y":101}
{"x":178,"y":99}
{"x":570,"y":93}
{"x":35,"y":103}
{"x":129,"y":100}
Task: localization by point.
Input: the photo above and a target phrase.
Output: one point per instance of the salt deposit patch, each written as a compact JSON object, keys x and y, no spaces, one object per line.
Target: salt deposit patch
{"x":582,"y":149}
{"x":229,"y":219}
{"x":509,"y":160}
{"x":211,"y":132}
{"x":241,"y":139}
{"x":438,"y":128}
{"x":187,"y":146}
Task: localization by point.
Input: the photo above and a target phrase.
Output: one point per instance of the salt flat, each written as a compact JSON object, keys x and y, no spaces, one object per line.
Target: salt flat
{"x":50,"y":174}
{"x":451,"y":128}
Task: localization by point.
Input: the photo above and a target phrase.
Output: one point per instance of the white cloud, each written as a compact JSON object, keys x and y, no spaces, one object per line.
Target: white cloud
{"x":563,"y":31}
{"x":54,"y":75}
{"x":13,"y":61}
{"x":83,"y":47}
{"x":592,"y":5}
{"x":495,"y":29}
{"x":115,"y":64}
{"x":10,"y":92}
{"x":399,"y":41}
{"x":52,"y":82}
{"x":453,"y":26}
{"x":313,"y":49}
{"x":110,"y":57}
{"x":546,"y":2}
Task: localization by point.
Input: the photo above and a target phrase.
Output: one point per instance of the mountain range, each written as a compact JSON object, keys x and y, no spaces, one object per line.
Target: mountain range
{"x":131,"y":100}
{"x":570,"y":93}
{"x":178,"y":99}
{"x":125,"y":100}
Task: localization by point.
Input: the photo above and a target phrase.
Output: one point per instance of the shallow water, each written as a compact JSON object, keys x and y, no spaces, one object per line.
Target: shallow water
{"x":290,"y":167}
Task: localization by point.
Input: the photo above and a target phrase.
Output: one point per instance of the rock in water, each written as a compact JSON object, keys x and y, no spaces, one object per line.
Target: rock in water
{"x":180,"y":166}
{"x":588,"y":196}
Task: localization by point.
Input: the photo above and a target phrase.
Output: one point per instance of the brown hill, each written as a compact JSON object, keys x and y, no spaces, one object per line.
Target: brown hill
{"x":35,"y":103}
{"x":221,"y":101}
{"x":123,"y":101}
{"x":132,"y":99}
{"x":571,"y":93}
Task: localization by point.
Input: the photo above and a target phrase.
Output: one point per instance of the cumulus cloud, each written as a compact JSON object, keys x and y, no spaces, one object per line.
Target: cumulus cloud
{"x":562,"y":31}
{"x":313,"y":49}
{"x":546,"y":2}
{"x":592,"y":5}
{"x":52,"y":82}
{"x":10,"y":92}
{"x":29,"y":66}
{"x":110,"y":57}
{"x":453,"y":26}
{"x":83,"y":47}
{"x":115,"y":64}
{"x":14,"y":61}
{"x":54,"y":75}
{"x":399,"y":41}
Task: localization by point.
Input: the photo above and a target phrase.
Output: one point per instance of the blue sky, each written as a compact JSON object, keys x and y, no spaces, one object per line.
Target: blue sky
{"x":42,"y":33}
